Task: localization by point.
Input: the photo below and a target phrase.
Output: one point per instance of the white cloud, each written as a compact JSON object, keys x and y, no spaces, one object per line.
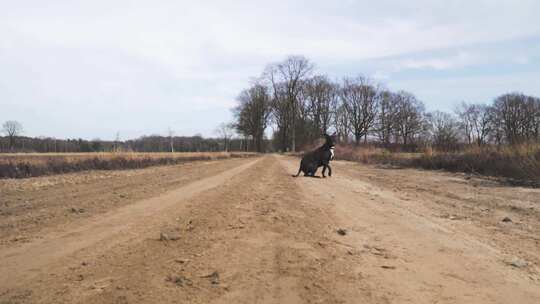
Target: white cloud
{"x":459,"y":60}
{"x":143,"y":58}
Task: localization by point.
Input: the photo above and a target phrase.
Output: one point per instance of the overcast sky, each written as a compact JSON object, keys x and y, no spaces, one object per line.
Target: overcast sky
{"x":93,"y":68}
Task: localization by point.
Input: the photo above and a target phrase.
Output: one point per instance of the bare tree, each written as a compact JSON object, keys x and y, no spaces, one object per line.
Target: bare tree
{"x":496,"y":126}
{"x":465,"y":114}
{"x":322,"y":96}
{"x":360,"y":99}
{"x":517,"y":114}
{"x":536,"y":118}
{"x":12,"y":129}
{"x":342,"y":123}
{"x":388,"y":110}
{"x":226,"y":132}
{"x":475,"y":122}
{"x":481,"y":118}
{"x":532,"y":122}
{"x":253,"y":113}
{"x":409,"y":120}
{"x":280,"y":115}
{"x":286,"y":80}
{"x":444,"y":130}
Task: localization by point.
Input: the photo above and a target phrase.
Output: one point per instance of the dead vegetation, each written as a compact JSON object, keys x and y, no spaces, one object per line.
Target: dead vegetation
{"x":34,"y":164}
{"x":520,"y":164}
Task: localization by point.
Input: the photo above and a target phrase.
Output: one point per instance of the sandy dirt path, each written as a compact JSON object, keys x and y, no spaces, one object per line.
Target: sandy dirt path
{"x":254,"y":234}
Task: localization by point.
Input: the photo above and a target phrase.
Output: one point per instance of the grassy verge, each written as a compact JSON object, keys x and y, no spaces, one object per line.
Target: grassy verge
{"x":31,"y":165}
{"x":373,"y":155}
{"x":519,"y":164}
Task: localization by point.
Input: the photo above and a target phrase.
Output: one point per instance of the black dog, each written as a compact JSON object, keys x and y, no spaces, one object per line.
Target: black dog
{"x":319,"y":157}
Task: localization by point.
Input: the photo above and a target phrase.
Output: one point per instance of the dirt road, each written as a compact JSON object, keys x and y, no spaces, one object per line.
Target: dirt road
{"x":245,"y":231}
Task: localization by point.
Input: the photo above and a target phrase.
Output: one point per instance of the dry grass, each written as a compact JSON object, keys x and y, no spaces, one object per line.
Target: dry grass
{"x":519,"y":164}
{"x":373,"y":155}
{"x":23,"y":165}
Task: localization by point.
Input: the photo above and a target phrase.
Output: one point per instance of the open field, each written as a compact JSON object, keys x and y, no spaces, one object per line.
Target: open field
{"x":22,"y":165}
{"x":244,"y":231}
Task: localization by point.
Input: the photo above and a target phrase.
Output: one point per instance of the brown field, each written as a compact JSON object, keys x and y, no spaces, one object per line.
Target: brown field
{"x":242,"y":230}
{"x":518,"y":165}
{"x":22,"y":165}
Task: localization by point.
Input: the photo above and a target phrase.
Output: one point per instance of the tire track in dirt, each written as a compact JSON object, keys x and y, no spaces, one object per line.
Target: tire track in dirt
{"x":36,"y":206}
{"x":260,"y":236}
{"x":256,"y":238}
{"x":121,"y":225}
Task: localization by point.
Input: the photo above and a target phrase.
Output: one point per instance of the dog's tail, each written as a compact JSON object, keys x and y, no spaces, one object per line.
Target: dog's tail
{"x":299,"y":170}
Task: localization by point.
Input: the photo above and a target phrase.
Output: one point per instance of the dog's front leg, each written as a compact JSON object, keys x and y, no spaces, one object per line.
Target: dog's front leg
{"x":329,"y":170}
{"x":323,"y":170}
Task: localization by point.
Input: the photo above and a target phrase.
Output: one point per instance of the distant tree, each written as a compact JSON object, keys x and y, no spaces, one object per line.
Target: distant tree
{"x":361,"y":99}
{"x":84,"y":146}
{"x":198,"y":142}
{"x":286,"y":79}
{"x":481,"y":118}
{"x":517,"y":115}
{"x":387,"y":116}
{"x":280,"y":115}
{"x":96,"y":145}
{"x":253,"y":114}
{"x":444,"y":130}
{"x":225,"y":131}
{"x":12,"y":129}
{"x":465,"y":113}
{"x":342,"y":123}
{"x":321,"y":96}
{"x":409,"y":117}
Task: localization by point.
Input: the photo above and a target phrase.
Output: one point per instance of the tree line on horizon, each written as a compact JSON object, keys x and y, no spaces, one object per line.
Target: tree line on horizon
{"x":14,"y":141}
{"x":301,"y":105}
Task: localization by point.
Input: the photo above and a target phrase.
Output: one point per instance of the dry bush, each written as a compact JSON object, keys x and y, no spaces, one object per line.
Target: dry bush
{"x":36,"y":164}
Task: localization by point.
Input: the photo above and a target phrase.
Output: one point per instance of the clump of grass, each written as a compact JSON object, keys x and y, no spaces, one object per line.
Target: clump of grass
{"x":31,"y":165}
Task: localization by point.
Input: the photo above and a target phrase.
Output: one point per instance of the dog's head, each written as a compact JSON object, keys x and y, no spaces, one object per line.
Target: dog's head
{"x":329,"y":140}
